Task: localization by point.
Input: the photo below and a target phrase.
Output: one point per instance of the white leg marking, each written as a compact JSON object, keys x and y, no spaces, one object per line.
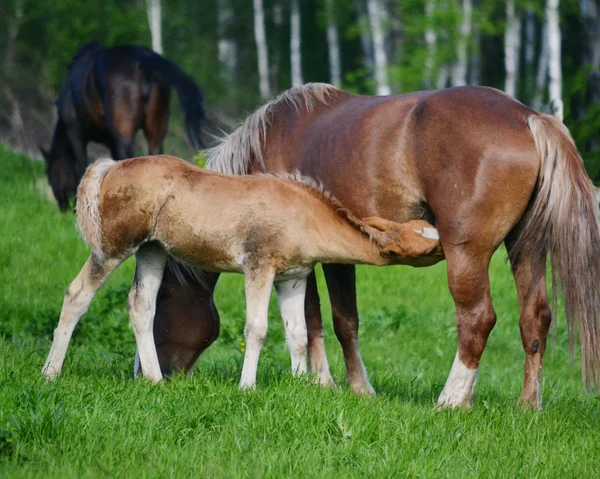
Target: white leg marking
{"x":77,"y":300}
{"x":290,"y":295}
{"x":460,"y":385}
{"x":258,"y":292}
{"x":141,"y":304}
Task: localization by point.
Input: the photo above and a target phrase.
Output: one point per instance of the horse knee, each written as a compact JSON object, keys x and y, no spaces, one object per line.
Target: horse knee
{"x":255,"y":334}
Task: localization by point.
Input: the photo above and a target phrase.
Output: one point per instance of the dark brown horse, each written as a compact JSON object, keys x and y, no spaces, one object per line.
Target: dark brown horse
{"x":110,"y":94}
{"x":482,"y":167}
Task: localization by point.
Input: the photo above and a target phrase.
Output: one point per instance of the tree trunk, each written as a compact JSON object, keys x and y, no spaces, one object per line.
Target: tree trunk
{"x":430,"y":40}
{"x":296,"y":44}
{"x":261,"y":48}
{"x":365,"y":38}
{"x":542,"y":71}
{"x":155,"y":21}
{"x":512,"y":48}
{"x":375,"y":10}
{"x":554,"y":66}
{"x":11,"y":40}
{"x":333,"y":46}
{"x":228,"y":53}
{"x":459,"y":72}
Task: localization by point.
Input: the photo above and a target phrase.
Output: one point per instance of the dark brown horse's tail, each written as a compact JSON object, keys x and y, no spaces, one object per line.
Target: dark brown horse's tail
{"x":163,"y":71}
{"x":563,"y":221}
{"x":88,"y":204}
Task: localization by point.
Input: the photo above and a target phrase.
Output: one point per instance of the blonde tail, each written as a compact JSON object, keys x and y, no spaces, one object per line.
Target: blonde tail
{"x":88,"y":204}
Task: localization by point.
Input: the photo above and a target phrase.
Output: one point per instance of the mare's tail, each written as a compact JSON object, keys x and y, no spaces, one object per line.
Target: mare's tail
{"x":88,"y":204}
{"x":563,"y":222}
{"x":163,"y":71}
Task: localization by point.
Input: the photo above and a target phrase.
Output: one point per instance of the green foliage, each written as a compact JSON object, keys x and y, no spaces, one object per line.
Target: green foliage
{"x":95,"y":421}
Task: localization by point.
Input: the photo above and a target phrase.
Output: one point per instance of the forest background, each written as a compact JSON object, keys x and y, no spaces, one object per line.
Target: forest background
{"x":546,"y":53}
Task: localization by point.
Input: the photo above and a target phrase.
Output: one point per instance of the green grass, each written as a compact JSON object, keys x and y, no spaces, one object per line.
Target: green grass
{"x":96,"y":421}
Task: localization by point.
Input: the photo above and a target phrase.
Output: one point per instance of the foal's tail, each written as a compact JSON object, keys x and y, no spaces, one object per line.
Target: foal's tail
{"x":163,"y":71}
{"x":88,"y":204}
{"x":563,"y":222}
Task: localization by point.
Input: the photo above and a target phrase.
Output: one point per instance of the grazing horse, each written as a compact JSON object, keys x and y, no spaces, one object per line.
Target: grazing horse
{"x":473,"y":161}
{"x":272,"y":229}
{"x":110,"y":94}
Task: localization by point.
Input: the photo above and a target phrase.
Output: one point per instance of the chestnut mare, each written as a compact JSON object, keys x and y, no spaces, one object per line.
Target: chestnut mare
{"x":110,"y":94}
{"x":482,"y":167}
{"x":272,"y":229}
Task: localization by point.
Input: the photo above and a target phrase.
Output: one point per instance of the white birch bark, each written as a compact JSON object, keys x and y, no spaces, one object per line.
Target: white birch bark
{"x":261,"y":49}
{"x":375,"y":11}
{"x":155,"y":22}
{"x":333,"y":46}
{"x":554,"y":66}
{"x":296,"y":44}
{"x":512,"y":47}
{"x":542,"y":71}
{"x":475,"y":69}
{"x":11,"y":40}
{"x":228,"y":52}
{"x":431,"y":42}
{"x":459,"y":72}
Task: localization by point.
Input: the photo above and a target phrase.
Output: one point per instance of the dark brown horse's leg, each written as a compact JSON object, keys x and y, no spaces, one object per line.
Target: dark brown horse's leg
{"x":156,"y":119}
{"x":530,"y":279}
{"x":341,"y":283}
{"x":314,"y":325}
{"x":469,"y":284}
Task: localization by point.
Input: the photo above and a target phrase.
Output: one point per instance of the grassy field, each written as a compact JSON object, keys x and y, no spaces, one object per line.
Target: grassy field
{"x":96,"y":421}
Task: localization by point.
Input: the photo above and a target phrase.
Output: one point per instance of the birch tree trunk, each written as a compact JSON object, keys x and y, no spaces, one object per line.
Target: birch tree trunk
{"x":155,"y":22}
{"x":430,"y":40}
{"x":459,"y":72}
{"x":365,"y":38}
{"x":542,"y":71}
{"x":590,"y":10}
{"x":228,"y":53}
{"x":295,"y":44}
{"x":333,"y":46}
{"x":554,"y":66}
{"x":512,"y":48}
{"x":11,"y":40}
{"x":261,"y":49}
{"x":375,"y":10}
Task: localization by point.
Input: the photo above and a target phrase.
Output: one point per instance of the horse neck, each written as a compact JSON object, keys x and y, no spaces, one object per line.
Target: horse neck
{"x":342,"y":241}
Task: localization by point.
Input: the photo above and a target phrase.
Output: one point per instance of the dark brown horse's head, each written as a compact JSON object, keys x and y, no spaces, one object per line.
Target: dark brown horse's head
{"x":60,"y":170}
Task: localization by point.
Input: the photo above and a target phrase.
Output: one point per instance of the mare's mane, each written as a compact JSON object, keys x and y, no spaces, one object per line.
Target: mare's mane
{"x":233,"y":154}
{"x":316,"y":189}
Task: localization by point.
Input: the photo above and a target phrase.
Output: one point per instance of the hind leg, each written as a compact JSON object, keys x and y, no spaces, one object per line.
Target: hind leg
{"x":77,"y":300}
{"x":319,"y":365}
{"x":141,"y":304}
{"x":341,"y":284}
{"x":156,"y":120}
{"x":535,"y":319}
{"x":469,"y":284}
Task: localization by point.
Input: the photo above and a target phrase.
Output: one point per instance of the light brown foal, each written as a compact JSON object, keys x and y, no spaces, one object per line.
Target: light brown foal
{"x":272,"y":229}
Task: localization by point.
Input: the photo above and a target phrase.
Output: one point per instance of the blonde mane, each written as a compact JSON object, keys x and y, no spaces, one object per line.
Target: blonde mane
{"x":316,"y":189}
{"x":234,"y":152}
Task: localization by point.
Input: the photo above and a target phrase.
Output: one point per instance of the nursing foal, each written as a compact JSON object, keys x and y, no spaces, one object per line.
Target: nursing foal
{"x":272,"y":229}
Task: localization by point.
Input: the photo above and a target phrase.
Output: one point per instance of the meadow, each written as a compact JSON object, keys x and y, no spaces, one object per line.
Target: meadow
{"x":96,"y":421}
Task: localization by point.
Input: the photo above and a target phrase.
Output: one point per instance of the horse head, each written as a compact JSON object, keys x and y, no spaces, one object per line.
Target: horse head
{"x":408,"y":243}
{"x":60,"y":170}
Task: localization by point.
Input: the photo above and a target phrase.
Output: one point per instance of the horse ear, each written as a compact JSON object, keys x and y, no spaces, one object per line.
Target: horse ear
{"x":379,"y":224}
{"x":45,"y":154}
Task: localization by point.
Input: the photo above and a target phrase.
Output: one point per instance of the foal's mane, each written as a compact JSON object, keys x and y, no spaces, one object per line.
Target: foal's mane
{"x":234,"y":152}
{"x":316,"y":189}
